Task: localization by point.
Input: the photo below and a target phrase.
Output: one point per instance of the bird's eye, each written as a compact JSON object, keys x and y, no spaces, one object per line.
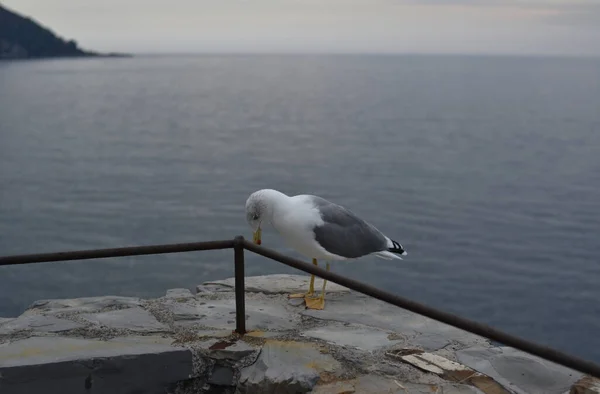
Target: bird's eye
{"x":255,"y":217}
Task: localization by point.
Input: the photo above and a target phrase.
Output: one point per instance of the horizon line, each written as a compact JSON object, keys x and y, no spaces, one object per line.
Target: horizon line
{"x":357,"y":53}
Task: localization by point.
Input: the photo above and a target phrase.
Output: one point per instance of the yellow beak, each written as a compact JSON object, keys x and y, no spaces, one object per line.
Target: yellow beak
{"x":256,"y":236}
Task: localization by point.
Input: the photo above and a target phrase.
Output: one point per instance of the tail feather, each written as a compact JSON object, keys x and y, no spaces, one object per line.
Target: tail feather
{"x":395,"y":247}
{"x":387,"y":255}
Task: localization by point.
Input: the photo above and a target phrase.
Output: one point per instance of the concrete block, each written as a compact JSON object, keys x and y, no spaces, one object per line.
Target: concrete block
{"x":53,"y":365}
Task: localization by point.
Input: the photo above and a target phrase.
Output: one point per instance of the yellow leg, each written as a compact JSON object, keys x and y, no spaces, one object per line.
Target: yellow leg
{"x":319,"y":302}
{"x":311,"y":289}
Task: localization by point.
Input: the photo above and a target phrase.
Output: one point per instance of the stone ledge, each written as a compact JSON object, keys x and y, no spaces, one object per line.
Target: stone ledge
{"x":182,"y":344}
{"x":69,"y":365}
{"x":37,"y":323}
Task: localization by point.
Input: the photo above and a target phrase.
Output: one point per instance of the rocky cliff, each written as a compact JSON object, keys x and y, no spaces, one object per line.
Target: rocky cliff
{"x":24,"y":38}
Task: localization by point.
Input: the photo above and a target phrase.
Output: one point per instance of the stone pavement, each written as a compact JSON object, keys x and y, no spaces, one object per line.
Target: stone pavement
{"x":183,"y":343}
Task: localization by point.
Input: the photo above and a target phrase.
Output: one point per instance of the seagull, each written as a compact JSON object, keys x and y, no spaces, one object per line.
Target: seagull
{"x":319,"y":230}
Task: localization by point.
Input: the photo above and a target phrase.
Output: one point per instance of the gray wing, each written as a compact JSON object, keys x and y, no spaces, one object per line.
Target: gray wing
{"x":344,"y":233}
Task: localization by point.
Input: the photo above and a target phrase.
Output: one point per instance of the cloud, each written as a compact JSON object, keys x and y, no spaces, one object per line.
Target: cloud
{"x":577,"y":15}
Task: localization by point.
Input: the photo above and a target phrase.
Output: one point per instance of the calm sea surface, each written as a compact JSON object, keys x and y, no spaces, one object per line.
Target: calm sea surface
{"x":486,"y":169}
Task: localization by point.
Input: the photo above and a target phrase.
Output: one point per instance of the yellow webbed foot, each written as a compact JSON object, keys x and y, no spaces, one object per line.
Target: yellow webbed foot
{"x":315,"y":302}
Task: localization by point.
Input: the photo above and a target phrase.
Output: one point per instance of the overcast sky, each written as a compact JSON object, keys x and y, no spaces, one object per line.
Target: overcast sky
{"x":384,"y":26}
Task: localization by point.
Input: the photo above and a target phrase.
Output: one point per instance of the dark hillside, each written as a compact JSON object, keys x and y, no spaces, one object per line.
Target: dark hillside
{"x":23,"y":38}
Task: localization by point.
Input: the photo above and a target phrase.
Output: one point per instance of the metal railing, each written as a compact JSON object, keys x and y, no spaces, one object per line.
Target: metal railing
{"x":239,"y":244}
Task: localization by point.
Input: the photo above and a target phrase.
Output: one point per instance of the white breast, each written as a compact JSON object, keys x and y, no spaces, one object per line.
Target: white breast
{"x":295,"y":222}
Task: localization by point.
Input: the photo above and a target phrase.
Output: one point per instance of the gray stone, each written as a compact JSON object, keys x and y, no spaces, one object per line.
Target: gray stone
{"x":518,"y":371}
{"x":55,"y":365}
{"x":221,"y":349}
{"x":266,"y":334}
{"x":213,"y":333}
{"x":220,"y":314}
{"x":360,"y":337}
{"x":202,"y":289}
{"x":379,"y":384}
{"x":81,"y":305}
{"x":37,"y":323}
{"x":212,"y":289}
{"x":342,"y":387}
{"x":296,"y":301}
{"x":359,"y":309}
{"x":286,"y":367}
{"x":430,"y":342}
{"x":5,"y":320}
{"x":134,"y":319}
{"x":586,"y":385}
{"x":179,"y":294}
{"x":278,"y":284}
{"x":222,"y":376}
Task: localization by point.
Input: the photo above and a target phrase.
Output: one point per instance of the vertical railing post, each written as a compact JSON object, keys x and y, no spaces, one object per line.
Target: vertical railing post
{"x":240,"y":301}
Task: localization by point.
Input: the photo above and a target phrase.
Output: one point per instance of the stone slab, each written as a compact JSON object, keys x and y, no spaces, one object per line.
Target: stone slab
{"x":286,"y":367}
{"x":378,"y":384}
{"x":296,"y":302}
{"x":179,"y":294}
{"x":37,"y":323}
{"x":133,"y":319}
{"x":5,"y":320}
{"x":82,"y":305}
{"x":360,"y":337}
{"x":222,"y":376}
{"x":518,"y":371}
{"x":586,"y":385}
{"x":451,"y":371}
{"x":363,"y":310}
{"x":213,"y":333}
{"x":221,"y":349}
{"x":266,"y":334}
{"x":72,"y":366}
{"x":277,"y":284}
{"x":430,"y":342}
{"x":220,"y":314}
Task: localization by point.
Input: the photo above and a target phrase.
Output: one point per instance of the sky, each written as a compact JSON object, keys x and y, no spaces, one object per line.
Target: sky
{"x":522,"y":27}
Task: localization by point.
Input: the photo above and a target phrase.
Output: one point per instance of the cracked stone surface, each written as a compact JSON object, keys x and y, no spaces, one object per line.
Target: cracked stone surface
{"x":37,"y":323}
{"x":286,"y":367}
{"x":179,"y":294}
{"x":79,"y":305}
{"x":183,"y":343}
{"x":519,"y":371}
{"x":360,"y":337}
{"x":219,"y":349}
{"x":220,"y":313}
{"x":359,"y":309}
{"x":68,"y":365}
{"x":134,"y":319}
{"x":586,"y":385}
{"x":377,"y":384}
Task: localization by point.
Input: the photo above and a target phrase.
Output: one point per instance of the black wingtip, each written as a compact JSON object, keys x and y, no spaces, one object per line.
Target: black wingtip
{"x":397,"y":248}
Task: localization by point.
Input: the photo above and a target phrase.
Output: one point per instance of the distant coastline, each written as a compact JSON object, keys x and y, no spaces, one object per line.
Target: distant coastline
{"x":24,"y":38}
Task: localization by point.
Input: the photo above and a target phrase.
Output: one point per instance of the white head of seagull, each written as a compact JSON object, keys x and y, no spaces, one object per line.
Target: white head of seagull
{"x":318,"y":229}
{"x":259,"y":208}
